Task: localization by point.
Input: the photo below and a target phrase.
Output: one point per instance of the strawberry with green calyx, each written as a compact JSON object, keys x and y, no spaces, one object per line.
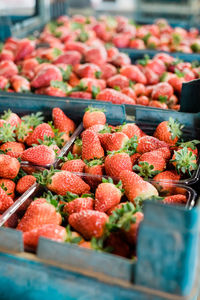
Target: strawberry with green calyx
{"x":116,"y":162}
{"x":8,"y":186}
{"x":81,"y":87}
{"x":50,"y":142}
{"x":107,"y":195}
{"x":39,"y":133}
{"x":184,"y":161}
{"x":139,"y":200}
{"x":77,"y":147}
{"x":191,"y":145}
{"x":131,"y":130}
{"x":60,"y":85}
{"x":11,"y":118}
{"x":73,"y":163}
{"x":25,"y":183}
{"x":93,"y":116}
{"x":14,"y":149}
{"x":175,"y":199}
{"x":94,"y":167}
{"x":62,"y":122}
{"x":169,"y":131}
{"x":40,"y":155}
{"x":73,"y":237}
{"x":60,"y":137}
{"x":9,"y":166}
{"x":7,"y":133}
{"x":131,"y":145}
{"x":76,"y":204}
{"x":66,"y":73}
{"x":61,"y":182}
{"x":145,"y":170}
{"x":5,"y":200}
{"x":33,"y":120}
{"x":135,"y":186}
{"x":91,"y":146}
{"x":115,"y":141}
{"x":23,"y":130}
{"x":149,"y":143}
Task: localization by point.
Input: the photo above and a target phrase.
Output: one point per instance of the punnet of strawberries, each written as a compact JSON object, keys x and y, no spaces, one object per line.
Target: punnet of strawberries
{"x":95,"y":199}
{"x":73,"y":58}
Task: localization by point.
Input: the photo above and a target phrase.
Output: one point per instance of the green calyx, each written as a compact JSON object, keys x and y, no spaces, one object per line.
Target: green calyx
{"x":66,"y":73}
{"x":33,"y":120}
{"x":179,"y":73}
{"x":98,"y":244}
{"x":94,"y":162}
{"x":184,"y":160}
{"x":81,"y":87}
{"x":82,"y":37}
{"x":131,"y":145}
{"x":53,"y":199}
{"x":175,"y":128}
{"x":7,"y":133}
{"x":106,"y":129}
{"x":56,"y":52}
{"x":6,"y":114}
{"x":143,"y":62}
{"x":44,"y":177}
{"x":60,"y":85}
{"x":71,"y":196}
{"x":70,"y":239}
{"x":92,"y":109}
{"x":95,"y":91}
{"x":163,"y":77}
{"x":98,"y":74}
{"x":190,"y":144}
{"x":70,"y":156}
{"x":78,"y":142}
{"x":162,"y":99}
{"x":140,"y":200}
{"x":23,"y":130}
{"x":145,"y":170}
{"x":122,"y":218}
{"x":110,"y":180}
{"x":176,"y":38}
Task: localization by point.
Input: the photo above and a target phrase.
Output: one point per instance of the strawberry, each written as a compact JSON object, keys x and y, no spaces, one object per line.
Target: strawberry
{"x":121,"y":59}
{"x":28,"y":66}
{"x":110,"y":95}
{"x":108,"y":71}
{"x":94,"y":168}
{"x":81,"y":95}
{"x":137,"y":44}
{"x":11,"y":118}
{"x":20,"y":84}
{"x":77,"y":147}
{"x":8,"y":186}
{"x":73,"y":164}
{"x":169,"y":131}
{"x":78,"y":46}
{"x":39,"y":212}
{"x":89,"y":223}
{"x":150,"y":164}
{"x":87,"y":70}
{"x":40,"y":155}
{"x":133,"y":73}
{"x":135,"y":186}
{"x":134,"y":158}
{"x":6,"y":201}
{"x":61,"y":182}
{"x":91,"y":85}
{"x":191,"y":145}
{"x":3,"y":83}
{"x":62,"y":122}
{"x":131,"y":130}
{"x":7,"y":132}
{"x":9,"y":166}
{"x":91,"y":147}
{"x":118,"y":81}
{"x":50,"y":231}
{"x":112,"y":209}
{"x":140,"y":89}
{"x":128,"y":91}
{"x":78,"y":204}
{"x":72,"y":57}
{"x":149,"y":143}
{"x":73,"y":237}
{"x":176,"y":82}
{"x":158,"y":104}
{"x":73,"y":80}
{"x":184,"y":161}
{"x":132,"y":233}
{"x":40,"y":132}
{"x":24,"y":48}
{"x":25,"y":183}
{"x":45,"y":75}
{"x":93,"y":116}
{"x":175,"y":199}
{"x":118,"y":245}
{"x":142,"y":100}
{"x":8,"y":68}
{"x":96,"y":55}
{"x":13,"y":149}
{"x":97,"y":128}
{"x":116,"y":141}
{"x":107,"y":195}
{"x":167,"y":176}
{"x":117,"y":162}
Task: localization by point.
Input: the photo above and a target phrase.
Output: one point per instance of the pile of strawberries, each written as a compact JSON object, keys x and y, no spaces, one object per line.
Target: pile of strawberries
{"x":25,"y":143}
{"x":96,"y":198}
{"x":71,"y":59}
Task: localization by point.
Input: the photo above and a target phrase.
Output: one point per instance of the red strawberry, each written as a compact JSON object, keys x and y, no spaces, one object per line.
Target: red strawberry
{"x":118,"y":81}
{"x":158,"y":104}
{"x":39,"y":212}
{"x":5,"y":201}
{"x":118,"y":245}
{"x":112,"y":209}
{"x":117,"y":162}
{"x":176,"y":82}
{"x":150,"y":163}
{"x":77,"y":147}
{"x":191,"y":145}
{"x":121,"y":59}
{"x":94,"y":168}
{"x":139,"y":89}
{"x":50,"y":231}
{"x":28,"y":67}
{"x":91,"y":147}
{"x":81,"y":95}
{"x":78,"y":204}
{"x":108,"y":71}
{"x":87,"y":70}
{"x":78,"y":46}
{"x":162,"y":89}
{"x":107,"y":195}
{"x":24,"y":48}
{"x":167,"y":176}
{"x":110,"y":95}
{"x":73,"y":164}
{"x":8,"y":186}
{"x":73,"y":80}
{"x":135,"y":186}
{"x":151,"y":76}
{"x":96,"y":55}
{"x":40,"y":155}
{"x":45,"y":75}
{"x":131,"y":130}
{"x":25,"y":183}
{"x":169,"y":131}
{"x":175,"y":199}
{"x":148,"y":143}
{"x":13,"y":149}
{"x":20,"y":84}
{"x":8,"y":68}
{"x":9,"y":166}
{"x":142,"y":100}
{"x":89,"y":223}
{"x":69,"y":57}
{"x":115,"y":141}
{"x":134,"y":158}
{"x":3,"y":82}
{"x":63,"y":181}
{"x":128,"y":91}
{"x":120,"y":40}
{"x":137,"y":44}
{"x":93,"y":116}
{"x":131,"y":234}
{"x":39,"y":133}
{"x":133,"y":73}
{"x":11,"y":118}
{"x":184,"y":161}
{"x":92,"y":84}
{"x":62,"y":122}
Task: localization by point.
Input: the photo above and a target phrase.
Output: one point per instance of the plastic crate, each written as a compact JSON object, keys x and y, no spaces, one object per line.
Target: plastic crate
{"x":167,"y":264}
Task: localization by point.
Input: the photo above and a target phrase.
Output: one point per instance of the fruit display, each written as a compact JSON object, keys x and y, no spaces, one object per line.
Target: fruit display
{"x":70,"y":59}
{"x":95,"y":198}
